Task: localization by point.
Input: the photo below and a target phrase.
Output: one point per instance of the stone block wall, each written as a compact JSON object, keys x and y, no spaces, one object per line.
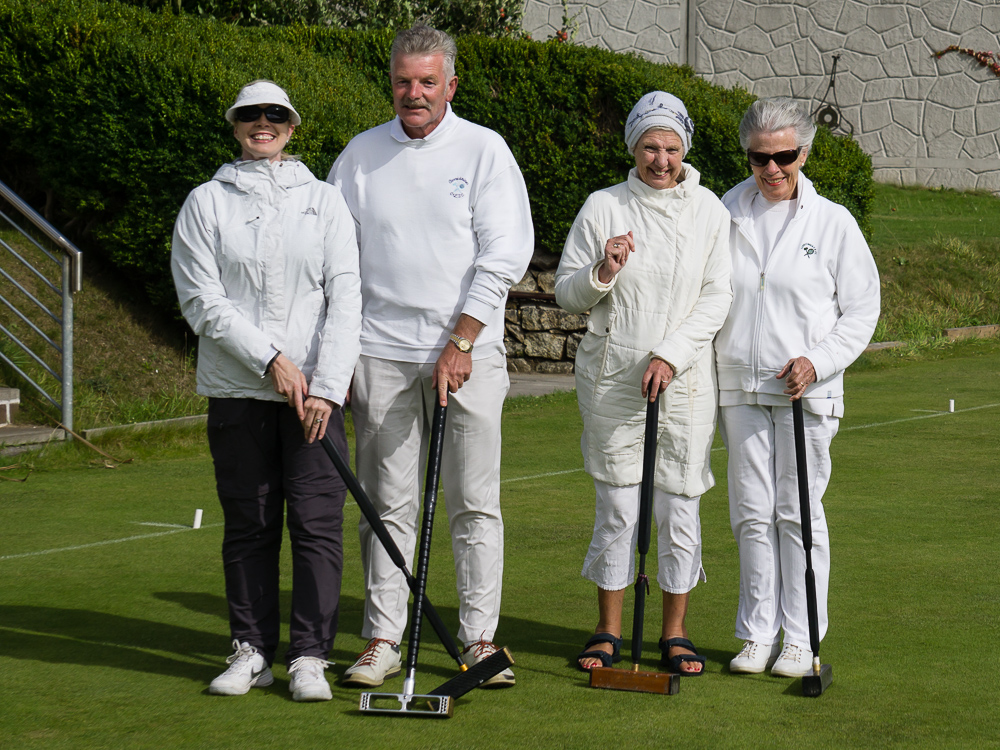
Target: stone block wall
{"x":540,"y":336}
{"x":922,"y":120}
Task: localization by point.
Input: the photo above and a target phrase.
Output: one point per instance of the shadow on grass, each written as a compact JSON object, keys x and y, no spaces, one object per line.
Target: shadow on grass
{"x":75,"y":636}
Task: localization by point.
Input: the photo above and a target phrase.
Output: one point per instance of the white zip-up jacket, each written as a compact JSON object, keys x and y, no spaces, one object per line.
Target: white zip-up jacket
{"x":265,"y":260}
{"x":667,"y":302}
{"x":817,"y":297}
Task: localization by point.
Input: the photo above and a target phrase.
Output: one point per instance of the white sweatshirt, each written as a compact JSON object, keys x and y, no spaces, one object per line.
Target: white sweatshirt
{"x":817,"y":296}
{"x":444,"y":228}
{"x":264,"y":260}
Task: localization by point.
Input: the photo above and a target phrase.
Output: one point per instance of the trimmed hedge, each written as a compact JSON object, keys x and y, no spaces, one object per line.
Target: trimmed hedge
{"x":117,"y":113}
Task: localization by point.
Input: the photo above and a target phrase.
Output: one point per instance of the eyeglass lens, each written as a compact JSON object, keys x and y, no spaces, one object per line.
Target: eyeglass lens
{"x":274,"y":113}
{"x":781,"y":158}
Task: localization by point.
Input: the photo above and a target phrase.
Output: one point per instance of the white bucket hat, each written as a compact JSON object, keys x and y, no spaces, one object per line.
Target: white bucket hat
{"x":262,"y":92}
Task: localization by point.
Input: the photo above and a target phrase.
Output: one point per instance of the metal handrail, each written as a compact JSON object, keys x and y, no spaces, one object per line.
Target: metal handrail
{"x":72,"y":282}
{"x":70,"y":250}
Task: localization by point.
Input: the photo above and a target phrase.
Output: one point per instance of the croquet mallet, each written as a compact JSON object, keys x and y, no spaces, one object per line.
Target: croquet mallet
{"x":821,"y":676}
{"x":632,"y":679}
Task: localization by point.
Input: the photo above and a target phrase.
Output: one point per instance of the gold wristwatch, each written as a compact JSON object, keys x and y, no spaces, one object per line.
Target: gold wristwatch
{"x":462,"y":343}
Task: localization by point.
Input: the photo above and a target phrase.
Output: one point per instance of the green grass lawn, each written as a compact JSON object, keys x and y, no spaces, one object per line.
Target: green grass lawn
{"x":112,"y":644}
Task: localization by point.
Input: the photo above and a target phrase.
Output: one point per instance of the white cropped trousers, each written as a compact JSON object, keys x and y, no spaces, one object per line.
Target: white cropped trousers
{"x":764,"y":515}
{"x":610,"y":561}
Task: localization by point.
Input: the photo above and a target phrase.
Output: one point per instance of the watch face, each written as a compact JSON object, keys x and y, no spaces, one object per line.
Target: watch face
{"x":464,"y":345}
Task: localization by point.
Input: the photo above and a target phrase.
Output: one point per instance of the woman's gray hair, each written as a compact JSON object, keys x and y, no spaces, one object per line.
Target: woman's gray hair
{"x":774,"y":114}
{"x":422,"y":40}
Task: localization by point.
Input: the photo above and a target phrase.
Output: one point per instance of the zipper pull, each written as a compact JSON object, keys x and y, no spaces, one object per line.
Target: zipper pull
{"x":762,"y":280}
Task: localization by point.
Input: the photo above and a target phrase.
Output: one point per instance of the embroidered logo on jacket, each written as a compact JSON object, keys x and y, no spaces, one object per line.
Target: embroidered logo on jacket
{"x":310,"y":212}
{"x":458,"y":187}
{"x":809,"y":250}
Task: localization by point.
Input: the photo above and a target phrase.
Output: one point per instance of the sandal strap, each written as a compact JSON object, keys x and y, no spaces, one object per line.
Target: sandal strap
{"x":666,"y":645}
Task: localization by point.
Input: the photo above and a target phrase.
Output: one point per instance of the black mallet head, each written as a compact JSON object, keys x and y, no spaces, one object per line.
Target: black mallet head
{"x":814,"y":684}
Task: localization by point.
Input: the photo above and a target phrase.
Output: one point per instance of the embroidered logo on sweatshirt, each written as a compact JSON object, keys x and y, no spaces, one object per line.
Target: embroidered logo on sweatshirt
{"x":458,"y":187}
{"x":310,"y":212}
{"x":809,"y":250}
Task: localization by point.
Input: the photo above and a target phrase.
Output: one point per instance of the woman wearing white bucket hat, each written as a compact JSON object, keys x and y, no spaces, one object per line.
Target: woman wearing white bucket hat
{"x":265,"y":262}
{"x":649,"y":258}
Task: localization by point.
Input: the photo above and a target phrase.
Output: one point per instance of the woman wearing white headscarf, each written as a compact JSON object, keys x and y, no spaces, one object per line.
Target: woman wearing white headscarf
{"x":806,"y":300}
{"x":649,"y":258}
{"x":265,"y":260}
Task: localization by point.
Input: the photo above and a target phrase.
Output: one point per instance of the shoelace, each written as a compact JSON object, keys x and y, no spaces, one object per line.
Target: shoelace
{"x":308,"y":663}
{"x":242,"y":652}
{"x":792,"y":653}
{"x":482,"y":648}
{"x":748,"y":649}
{"x":371,"y":652}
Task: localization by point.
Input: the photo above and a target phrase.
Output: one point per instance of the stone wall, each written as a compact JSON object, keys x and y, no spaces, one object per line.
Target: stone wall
{"x":923,"y":120}
{"x":540,"y":336}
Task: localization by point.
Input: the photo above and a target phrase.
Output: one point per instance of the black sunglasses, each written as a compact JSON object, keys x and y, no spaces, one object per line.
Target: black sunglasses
{"x":273,"y":113}
{"x":782,"y":158}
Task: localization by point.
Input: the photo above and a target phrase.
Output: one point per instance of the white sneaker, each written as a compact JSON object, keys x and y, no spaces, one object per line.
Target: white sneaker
{"x":793,"y":662}
{"x":754,"y":658}
{"x":379,"y":662}
{"x":308,"y":681}
{"x":480,"y":650}
{"x":247,"y":669}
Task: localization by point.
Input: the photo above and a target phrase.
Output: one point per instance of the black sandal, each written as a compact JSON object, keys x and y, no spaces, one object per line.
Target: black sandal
{"x":673,"y":663}
{"x":606,"y":659}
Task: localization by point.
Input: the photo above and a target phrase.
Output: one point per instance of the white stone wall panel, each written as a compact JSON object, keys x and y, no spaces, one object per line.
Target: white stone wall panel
{"x":922,"y":119}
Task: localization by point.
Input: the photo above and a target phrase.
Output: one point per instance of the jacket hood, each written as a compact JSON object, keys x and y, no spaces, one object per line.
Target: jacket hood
{"x":245,"y":174}
{"x":738,"y":199}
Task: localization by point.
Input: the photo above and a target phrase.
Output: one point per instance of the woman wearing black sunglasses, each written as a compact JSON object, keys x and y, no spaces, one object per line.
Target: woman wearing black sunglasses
{"x":265,"y":262}
{"x":806,"y":300}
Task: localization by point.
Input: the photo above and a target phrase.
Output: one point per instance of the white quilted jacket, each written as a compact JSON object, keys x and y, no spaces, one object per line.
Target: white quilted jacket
{"x":667,"y":302}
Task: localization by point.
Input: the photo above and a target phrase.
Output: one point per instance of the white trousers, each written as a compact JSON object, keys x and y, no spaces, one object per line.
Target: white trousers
{"x":610,"y":561}
{"x":764,"y":515}
{"x":393,"y":406}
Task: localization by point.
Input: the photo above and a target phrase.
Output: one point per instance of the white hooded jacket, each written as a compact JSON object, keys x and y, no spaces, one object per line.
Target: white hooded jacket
{"x":265,"y":260}
{"x":817,"y":297}
{"x":667,"y":302}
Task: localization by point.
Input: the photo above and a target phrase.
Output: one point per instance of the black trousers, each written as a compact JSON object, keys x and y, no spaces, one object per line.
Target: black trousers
{"x":262,"y":465}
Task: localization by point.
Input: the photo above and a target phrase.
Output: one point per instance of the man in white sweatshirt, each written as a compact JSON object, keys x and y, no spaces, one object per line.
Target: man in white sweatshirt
{"x":444,"y":230}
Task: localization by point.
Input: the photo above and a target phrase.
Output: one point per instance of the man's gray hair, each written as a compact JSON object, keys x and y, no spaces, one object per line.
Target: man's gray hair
{"x":774,"y":114}
{"x":422,"y":40}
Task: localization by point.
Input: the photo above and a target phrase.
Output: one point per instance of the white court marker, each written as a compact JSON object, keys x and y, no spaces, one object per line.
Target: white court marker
{"x":197,"y":519}
{"x":951,"y":406}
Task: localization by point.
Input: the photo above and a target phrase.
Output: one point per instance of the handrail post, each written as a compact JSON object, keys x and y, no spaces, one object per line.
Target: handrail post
{"x":68,"y":284}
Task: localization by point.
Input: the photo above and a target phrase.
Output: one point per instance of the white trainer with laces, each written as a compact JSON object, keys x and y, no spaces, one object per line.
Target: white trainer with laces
{"x":794,"y":661}
{"x":247,"y":669}
{"x":379,"y":662}
{"x":308,"y":681}
{"x":754,"y":658}
{"x":476,"y":652}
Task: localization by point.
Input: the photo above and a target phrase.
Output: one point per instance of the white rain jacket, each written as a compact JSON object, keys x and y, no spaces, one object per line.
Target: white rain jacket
{"x":817,"y":297}
{"x":265,"y":260}
{"x":667,"y":302}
